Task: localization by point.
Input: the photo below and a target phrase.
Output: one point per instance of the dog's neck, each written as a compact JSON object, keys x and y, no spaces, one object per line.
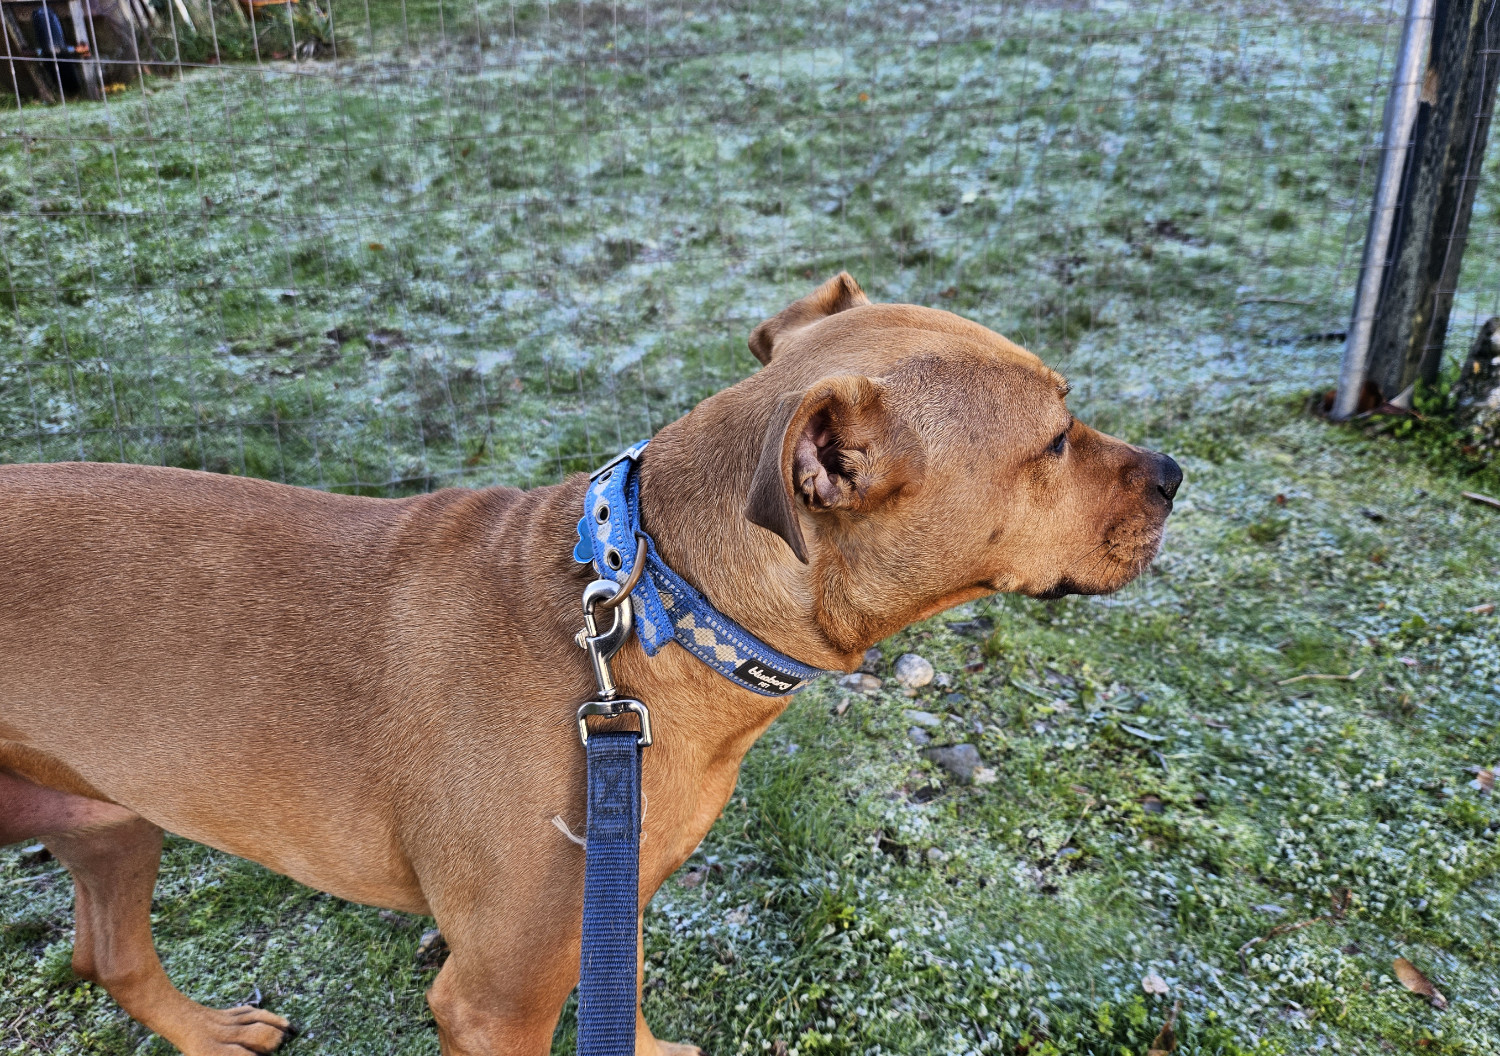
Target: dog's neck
{"x":694,"y":479}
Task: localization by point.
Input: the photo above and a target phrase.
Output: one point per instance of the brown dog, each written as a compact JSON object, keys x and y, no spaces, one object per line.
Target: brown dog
{"x":376,"y":697}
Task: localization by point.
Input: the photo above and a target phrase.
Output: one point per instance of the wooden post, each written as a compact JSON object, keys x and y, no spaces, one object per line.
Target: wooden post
{"x":90,"y":73}
{"x":1437,"y":197}
{"x":15,"y":48}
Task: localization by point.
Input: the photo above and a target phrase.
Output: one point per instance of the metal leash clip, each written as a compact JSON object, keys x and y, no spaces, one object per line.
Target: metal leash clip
{"x":606,"y":594}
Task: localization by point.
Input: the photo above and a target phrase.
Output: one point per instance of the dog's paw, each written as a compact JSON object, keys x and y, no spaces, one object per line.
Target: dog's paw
{"x":240,"y":1031}
{"x":668,"y":1048}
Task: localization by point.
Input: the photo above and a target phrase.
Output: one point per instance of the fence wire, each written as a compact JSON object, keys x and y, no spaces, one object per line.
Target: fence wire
{"x":386,"y":246}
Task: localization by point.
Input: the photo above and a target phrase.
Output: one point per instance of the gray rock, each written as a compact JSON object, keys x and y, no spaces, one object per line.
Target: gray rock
{"x":959,"y":760}
{"x":919,"y":735}
{"x":872,"y":661}
{"x":913,"y":672}
{"x":922,"y":718}
{"x":860,"y":682}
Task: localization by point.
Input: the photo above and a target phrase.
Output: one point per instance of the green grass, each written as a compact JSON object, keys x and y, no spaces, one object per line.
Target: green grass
{"x":499,"y":258}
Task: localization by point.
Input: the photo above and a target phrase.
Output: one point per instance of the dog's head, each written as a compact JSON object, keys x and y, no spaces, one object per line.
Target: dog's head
{"x":916,"y":460}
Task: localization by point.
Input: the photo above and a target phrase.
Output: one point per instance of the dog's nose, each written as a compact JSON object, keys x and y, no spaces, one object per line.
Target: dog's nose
{"x":1168,"y":476}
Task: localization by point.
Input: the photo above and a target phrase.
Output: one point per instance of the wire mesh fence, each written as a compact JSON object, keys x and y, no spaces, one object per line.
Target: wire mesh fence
{"x":393,"y":245}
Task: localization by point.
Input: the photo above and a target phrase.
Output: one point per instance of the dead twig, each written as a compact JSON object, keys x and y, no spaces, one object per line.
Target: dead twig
{"x":1326,"y":678}
{"x":33,"y":879}
{"x":1166,"y":1038}
{"x":1340,"y":900}
{"x":1482,"y":610}
{"x":1074,"y":831}
{"x":1483,"y":500}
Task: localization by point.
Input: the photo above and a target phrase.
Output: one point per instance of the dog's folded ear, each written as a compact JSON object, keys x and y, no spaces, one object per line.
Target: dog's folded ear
{"x":835,"y":449}
{"x":838,"y":294}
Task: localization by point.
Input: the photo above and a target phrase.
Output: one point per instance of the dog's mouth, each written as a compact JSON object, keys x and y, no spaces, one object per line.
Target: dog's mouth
{"x":1118,"y":562}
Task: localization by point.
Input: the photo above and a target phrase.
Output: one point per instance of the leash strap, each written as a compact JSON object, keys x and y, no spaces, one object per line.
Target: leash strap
{"x":668,"y":608}
{"x":611,"y":894}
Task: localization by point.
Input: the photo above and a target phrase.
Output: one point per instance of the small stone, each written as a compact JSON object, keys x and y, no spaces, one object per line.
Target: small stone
{"x":953,"y":698}
{"x":842,"y":707}
{"x":872,"y":661}
{"x":985,"y":775}
{"x":1153,"y":983}
{"x":959,"y":760}
{"x":922,"y":718}
{"x":860,"y":682}
{"x":942,"y":679}
{"x":913,"y":672}
{"x":936,"y":855}
{"x":919,"y":735}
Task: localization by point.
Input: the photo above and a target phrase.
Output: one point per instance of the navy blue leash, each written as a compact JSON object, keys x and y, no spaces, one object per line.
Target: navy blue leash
{"x":611,"y":893}
{"x":612,"y":859}
{"x":671,"y":609}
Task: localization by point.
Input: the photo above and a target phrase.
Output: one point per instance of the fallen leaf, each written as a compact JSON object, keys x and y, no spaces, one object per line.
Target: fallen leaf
{"x":432,"y":949}
{"x":691,"y":878}
{"x":1482,"y":610}
{"x":780,"y":1048}
{"x":1142,"y":734}
{"x":1484,"y":781}
{"x":1166,"y":1038}
{"x":1413,"y":979}
{"x":843,"y":706}
{"x":1153,"y":983}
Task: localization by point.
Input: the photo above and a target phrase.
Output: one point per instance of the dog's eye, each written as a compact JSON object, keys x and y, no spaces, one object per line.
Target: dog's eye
{"x":1059,"y":443}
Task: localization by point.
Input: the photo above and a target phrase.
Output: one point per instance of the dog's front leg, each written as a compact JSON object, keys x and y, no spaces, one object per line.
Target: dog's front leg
{"x":501,"y":990}
{"x":492,"y":999}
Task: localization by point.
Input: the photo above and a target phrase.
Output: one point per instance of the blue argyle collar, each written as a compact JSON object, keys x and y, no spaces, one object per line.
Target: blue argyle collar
{"x":667,"y":607}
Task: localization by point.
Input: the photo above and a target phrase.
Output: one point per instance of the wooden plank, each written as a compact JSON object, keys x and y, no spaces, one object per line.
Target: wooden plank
{"x":1437,"y":197}
{"x":89,"y":75}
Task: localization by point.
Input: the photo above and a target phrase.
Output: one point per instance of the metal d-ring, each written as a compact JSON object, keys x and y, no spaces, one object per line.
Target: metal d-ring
{"x":631,"y":580}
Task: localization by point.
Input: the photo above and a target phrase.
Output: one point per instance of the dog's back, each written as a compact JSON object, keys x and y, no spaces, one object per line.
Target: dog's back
{"x":262,"y":601}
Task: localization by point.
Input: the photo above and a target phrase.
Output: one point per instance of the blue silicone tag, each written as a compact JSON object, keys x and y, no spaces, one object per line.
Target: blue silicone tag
{"x":583,"y":551}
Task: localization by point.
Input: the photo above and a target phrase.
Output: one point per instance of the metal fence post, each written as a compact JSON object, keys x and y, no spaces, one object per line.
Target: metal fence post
{"x":1429,"y":224}
{"x":1395,"y":143}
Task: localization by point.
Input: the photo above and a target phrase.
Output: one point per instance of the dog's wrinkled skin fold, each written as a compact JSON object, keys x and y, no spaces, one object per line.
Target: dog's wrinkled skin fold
{"x":376,"y":697}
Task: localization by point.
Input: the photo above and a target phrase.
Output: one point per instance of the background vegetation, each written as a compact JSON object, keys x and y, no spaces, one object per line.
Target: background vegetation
{"x":494,"y":244}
